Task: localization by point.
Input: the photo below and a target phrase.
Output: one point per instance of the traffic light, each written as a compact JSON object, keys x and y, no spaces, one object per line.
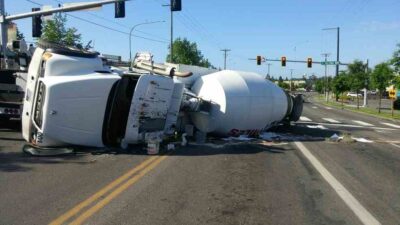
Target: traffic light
{"x":309,"y":62}
{"x":176,"y":5}
{"x":120,"y":9}
{"x":259,"y":60}
{"x":36,"y":24}
{"x":283,"y":61}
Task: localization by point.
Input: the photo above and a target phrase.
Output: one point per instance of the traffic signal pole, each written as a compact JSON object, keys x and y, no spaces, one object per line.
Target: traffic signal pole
{"x":337,"y":46}
{"x":337,"y":50}
{"x":299,"y":61}
{"x":3,"y":27}
{"x":4,"y":20}
{"x":326,"y":77}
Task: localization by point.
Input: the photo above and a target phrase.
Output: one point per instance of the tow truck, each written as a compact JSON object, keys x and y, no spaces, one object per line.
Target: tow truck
{"x":12,"y":78}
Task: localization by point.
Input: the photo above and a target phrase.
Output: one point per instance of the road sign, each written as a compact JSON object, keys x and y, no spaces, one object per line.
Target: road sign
{"x":330,"y":63}
{"x":392,"y":94}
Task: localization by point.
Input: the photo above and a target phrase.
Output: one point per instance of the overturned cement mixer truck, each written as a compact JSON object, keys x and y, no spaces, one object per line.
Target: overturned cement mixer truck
{"x":73,"y":99}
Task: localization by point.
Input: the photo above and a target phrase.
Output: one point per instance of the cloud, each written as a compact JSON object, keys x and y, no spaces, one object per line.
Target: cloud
{"x":375,"y":26}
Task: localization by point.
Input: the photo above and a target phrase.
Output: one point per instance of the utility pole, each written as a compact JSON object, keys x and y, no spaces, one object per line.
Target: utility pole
{"x":337,"y":51}
{"x":337,"y":46}
{"x":269,"y":64}
{"x":171,"y":48}
{"x":326,"y":77}
{"x":4,"y":37}
{"x":175,"y":5}
{"x":291,"y":79}
{"x":225,"y":54}
{"x":365,"y":87}
{"x":171,"y":45}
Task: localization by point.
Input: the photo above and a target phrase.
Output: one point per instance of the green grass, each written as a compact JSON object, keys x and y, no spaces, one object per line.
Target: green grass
{"x":386,"y":114}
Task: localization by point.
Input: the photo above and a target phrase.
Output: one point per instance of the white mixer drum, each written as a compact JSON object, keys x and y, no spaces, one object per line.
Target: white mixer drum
{"x":240,"y":100}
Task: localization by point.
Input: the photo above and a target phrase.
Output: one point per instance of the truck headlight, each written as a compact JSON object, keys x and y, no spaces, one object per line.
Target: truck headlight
{"x":38,"y":112}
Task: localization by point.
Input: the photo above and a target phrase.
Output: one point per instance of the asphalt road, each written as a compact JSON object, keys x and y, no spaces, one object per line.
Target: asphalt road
{"x":256,"y":182}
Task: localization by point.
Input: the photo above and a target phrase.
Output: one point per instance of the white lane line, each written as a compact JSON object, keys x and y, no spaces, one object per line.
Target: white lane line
{"x":330,"y":120}
{"x":328,"y":108}
{"x":362,"y":123}
{"x":317,"y":127}
{"x":315,"y":107}
{"x":395,"y":145}
{"x":355,"y":206}
{"x":303,"y":118}
{"x":347,"y":125}
{"x":391,"y":125}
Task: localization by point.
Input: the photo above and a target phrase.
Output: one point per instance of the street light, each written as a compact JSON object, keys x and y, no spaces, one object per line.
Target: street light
{"x":326,"y":55}
{"x":130,"y":37}
{"x":337,"y":46}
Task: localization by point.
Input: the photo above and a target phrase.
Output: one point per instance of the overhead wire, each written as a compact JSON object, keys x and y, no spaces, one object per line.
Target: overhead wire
{"x":103,"y":26}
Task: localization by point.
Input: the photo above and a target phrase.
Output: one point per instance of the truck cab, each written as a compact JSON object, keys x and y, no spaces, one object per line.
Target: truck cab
{"x":72,"y":98}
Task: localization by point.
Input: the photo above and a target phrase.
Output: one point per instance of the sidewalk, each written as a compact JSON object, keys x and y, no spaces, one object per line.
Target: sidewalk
{"x":370,"y":109}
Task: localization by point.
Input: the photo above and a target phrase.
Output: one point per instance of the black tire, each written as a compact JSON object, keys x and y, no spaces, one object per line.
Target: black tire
{"x":297,"y":108}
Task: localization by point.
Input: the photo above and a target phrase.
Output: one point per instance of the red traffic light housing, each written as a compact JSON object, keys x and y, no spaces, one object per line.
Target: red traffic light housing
{"x":259,"y":60}
{"x":309,"y":62}
{"x":36,"y":24}
{"x":120,"y":9}
{"x":176,"y":5}
{"x":283,"y":61}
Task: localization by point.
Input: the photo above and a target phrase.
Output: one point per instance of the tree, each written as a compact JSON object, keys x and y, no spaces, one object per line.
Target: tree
{"x":395,"y":61}
{"x":284,"y":85}
{"x":186,"y":52}
{"x":20,"y":36}
{"x":55,"y":31}
{"x":72,"y":37}
{"x":358,"y":77}
{"x":320,"y":85}
{"x":340,"y":85}
{"x":381,"y":78}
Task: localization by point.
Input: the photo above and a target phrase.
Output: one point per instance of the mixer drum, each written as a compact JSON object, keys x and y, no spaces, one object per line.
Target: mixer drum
{"x":240,"y":101}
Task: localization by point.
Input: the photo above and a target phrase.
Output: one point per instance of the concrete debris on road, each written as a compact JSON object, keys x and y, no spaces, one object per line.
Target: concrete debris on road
{"x":335,"y":138}
{"x":363,"y":140}
{"x":348,"y":139}
{"x":275,"y":137}
{"x":240,"y":138}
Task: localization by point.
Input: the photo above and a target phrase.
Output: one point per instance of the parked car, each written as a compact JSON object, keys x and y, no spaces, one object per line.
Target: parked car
{"x":354,"y":95}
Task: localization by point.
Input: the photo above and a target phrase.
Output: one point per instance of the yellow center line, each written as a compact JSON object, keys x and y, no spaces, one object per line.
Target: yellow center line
{"x":101,"y":192}
{"x":99,"y":205}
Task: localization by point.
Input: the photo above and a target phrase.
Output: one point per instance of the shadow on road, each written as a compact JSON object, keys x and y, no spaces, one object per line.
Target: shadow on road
{"x":20,"y":161}
{"x":12,"y":159}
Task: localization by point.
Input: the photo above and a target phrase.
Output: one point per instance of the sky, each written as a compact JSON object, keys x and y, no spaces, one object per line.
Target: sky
{"x":369,"y":29}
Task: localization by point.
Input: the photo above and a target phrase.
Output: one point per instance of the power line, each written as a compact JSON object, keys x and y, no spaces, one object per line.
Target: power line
{"x":103,"y":26}
{"x":192,"y":25}
{"x":115,"y":22}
